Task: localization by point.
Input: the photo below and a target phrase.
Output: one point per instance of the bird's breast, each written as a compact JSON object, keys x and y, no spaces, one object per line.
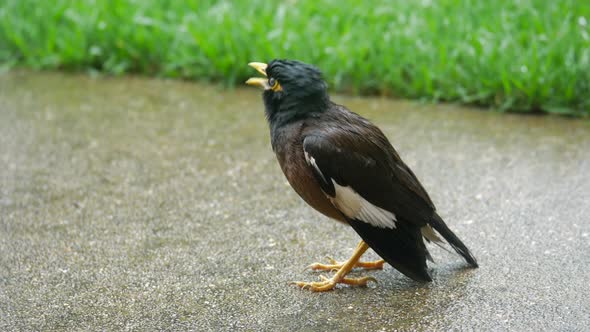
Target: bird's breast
{"x":289,"y":151}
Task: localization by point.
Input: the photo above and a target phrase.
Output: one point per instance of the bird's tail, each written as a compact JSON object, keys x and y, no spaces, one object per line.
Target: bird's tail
{"x":402,"y":247}
{"x":439,"y":225}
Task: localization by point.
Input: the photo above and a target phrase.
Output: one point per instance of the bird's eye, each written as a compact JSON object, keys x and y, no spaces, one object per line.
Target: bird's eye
{"x":274,"y":85}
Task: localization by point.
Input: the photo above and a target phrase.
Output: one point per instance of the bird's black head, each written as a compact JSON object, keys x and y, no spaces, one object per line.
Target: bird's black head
{"x":292,"y":90}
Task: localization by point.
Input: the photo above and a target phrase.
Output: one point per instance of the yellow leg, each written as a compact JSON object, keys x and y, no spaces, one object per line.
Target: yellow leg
{"x":340,"y":276}
{"x":335,"y":265}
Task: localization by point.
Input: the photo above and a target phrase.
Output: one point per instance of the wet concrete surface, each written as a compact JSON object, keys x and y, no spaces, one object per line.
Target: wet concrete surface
{"x":142,"y":204}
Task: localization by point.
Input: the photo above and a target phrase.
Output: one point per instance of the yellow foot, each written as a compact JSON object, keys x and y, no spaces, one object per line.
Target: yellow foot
{"x":335,"y":265}
{"x":343,"y":269}
{"x":329,"y":283}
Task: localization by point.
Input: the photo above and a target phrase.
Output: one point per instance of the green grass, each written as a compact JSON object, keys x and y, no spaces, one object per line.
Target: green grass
{"x":527,"y":55}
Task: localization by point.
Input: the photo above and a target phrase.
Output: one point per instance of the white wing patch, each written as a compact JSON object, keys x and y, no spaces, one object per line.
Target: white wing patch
{"x":311,"y":161}
{"x":354,"y":206}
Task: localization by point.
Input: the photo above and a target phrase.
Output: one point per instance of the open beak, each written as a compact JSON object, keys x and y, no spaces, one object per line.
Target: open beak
{"x":259,"y":81}
{"x":259,"y":66}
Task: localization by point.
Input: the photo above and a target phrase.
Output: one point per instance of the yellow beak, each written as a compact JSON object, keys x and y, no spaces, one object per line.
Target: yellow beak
{"x":262,"y":82}
{"x":259,"y":66}
{"x":259,"y":81}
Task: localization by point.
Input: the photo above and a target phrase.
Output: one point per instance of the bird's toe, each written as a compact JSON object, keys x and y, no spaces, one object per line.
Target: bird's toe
{"x":327,"y":284}
{"x":334,"y":265}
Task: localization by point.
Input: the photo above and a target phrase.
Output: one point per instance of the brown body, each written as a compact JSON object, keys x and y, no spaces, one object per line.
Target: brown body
{"x":289,"y":152}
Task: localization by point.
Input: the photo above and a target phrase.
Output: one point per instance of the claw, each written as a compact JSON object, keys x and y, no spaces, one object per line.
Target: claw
{"x":332,"y":261}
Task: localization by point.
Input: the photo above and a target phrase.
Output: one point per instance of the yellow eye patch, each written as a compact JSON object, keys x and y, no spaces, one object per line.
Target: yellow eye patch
{"x":274,"y":85}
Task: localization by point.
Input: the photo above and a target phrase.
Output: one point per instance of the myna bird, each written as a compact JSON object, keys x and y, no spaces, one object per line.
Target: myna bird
{"x":344,"y":167}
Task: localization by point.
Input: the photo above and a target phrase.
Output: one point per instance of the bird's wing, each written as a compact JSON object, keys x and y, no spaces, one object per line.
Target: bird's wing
{"x":363,"y":176}
{"x":383,"y":201}
{"x":365,"y":179}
